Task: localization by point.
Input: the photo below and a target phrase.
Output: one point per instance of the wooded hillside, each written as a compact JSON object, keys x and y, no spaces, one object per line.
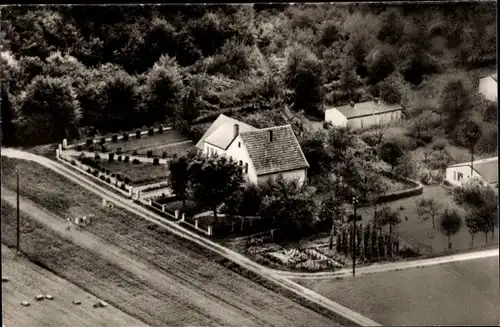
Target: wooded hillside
{"x":69,"y":71}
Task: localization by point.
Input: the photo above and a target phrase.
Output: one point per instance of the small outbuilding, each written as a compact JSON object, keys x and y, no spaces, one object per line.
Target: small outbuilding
{"x":485,"y":169}
{"x":365,"y":114}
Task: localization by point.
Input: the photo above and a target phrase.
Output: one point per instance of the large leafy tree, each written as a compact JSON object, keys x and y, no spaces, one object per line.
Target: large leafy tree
{"x":316,"y":153}
{"x":163,"y":89}
{"x":470,"y":133}
{"x":212,"y":180}
{"x":304,"y":75}
{"x":391,"y":151}
{"x":481,"y":203}
{"x":178,"y":175}
{"x":48,"y":110}
{"x":290,"y":206}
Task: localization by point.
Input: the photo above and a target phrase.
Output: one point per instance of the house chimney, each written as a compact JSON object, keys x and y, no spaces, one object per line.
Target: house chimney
{"x":351,"y":103}
{"x":236,"y":130}
{"x":270,"y":135}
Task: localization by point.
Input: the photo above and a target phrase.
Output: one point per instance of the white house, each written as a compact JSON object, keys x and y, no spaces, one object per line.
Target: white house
{"x":485,"y":169}
{"x":488,"y":87}
{"x":262,"y":153}
{"x":361,"y":115}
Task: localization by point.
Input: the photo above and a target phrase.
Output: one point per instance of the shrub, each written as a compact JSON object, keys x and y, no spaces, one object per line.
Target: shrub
{"x":113,"y":175}
{"x":125,"y":136}
{"x":111,"y":157}
{"x":103,"y":170}
{"x":97,"y":156}
{"x":164,"y":155}
{"x":119,"y":151}
{"x":73,"y":162}
{"x":102,"y":141}
{"x":126,"y":180}
{"x":149,"y":153}
{"x":151,"y":132}
{"x":327,"y":125}
{"x":136,"y":161}
{"x":119,"y":177}
{"x":138,"y":134}
{"x":123,"y":187}
{"x":103,"y":149}
{"x":160,"y":129}
{"x":114,"y":138}
{"x":95,"y":173}
{"x":89,"y":142}
{"x":156,"y":161}
{"x":119,"y":158}
{"x":108,"y":180}
{"x":127,"y":159}
{"x":91,"y":148}
{"x":89,"y":170}
{"x":102,"y":177}
{"x":79,"y":148}
{"x":134,"y":153}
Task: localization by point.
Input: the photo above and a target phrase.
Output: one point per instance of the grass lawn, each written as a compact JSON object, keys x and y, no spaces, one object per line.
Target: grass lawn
{"x":139,"y":174}
{"x":145,"y":143}
{"x":416,"y":233}
{"x":461,"y":293}
{"x":183,"y":261}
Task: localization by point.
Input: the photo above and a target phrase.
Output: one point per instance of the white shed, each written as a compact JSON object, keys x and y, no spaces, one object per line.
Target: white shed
{"x":485,"y":169}
{"x":365,"y":114}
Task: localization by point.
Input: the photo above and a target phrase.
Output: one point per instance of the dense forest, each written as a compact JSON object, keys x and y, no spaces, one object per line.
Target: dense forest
{"x":70,"y":71}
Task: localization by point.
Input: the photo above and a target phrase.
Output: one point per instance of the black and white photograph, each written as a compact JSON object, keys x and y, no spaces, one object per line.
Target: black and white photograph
{"x":249,"y":164}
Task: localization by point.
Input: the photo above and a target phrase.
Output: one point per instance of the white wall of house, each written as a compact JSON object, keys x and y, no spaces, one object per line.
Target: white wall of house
{"x":335,"y":117}
{"x":381,"y":118}
{"x":238,"y":152}
{"x":458,"y":175}
{"x":488,"y":87}
{"x":299,"y":174}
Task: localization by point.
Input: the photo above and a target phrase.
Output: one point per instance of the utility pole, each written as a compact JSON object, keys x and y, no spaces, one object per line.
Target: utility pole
{"x":354,"y":220}
{"x":18,"y":219}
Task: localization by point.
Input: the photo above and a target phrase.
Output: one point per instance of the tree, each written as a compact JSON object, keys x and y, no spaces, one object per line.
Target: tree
{"x":450,"y":223}
{"x":178,"y":179}
{"x":473,"y":223}
{"x":49,"y":110}
{"x":481,"y":201}
{"x":250,"y":202}
{"x":392,"y":26}
{"x":381,"y":63}
{"x":391,"y":151}
{"x":214,"y":179}
{"x":316,"y":154}
{"x":190,"y":108}
{"x":428,"y":208}
{"x":304,"y":75}
{"x":9,"y":130}
{"x":339,"y":139}
{"x":470,"y":132}
{"x":386,"y":216}
{"x":163,"y":90}
{"x":290,"y":206}
{"x":455,"y":104}
{"x":332,"y":208}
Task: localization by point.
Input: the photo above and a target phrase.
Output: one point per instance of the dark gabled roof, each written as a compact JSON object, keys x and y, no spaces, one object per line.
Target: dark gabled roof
{"x":281,"y":154}
{"x":367,"y":108}
{"x":226,"y":136}
{"x":487,"y":168}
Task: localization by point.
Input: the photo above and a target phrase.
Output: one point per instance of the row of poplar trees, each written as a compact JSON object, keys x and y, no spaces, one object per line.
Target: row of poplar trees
{"x":372,"y":244}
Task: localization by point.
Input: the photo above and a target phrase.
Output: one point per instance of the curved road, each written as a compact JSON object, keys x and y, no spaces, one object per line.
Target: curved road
{"x":344,"y":314}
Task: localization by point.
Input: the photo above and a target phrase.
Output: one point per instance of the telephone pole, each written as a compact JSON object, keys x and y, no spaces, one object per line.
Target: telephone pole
{"x":18,"y":219}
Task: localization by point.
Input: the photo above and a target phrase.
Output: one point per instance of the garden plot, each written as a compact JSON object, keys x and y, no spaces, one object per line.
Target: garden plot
{"x":26,"y":280}
{"x":145,"y":143}
{"x":139,"y":174}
